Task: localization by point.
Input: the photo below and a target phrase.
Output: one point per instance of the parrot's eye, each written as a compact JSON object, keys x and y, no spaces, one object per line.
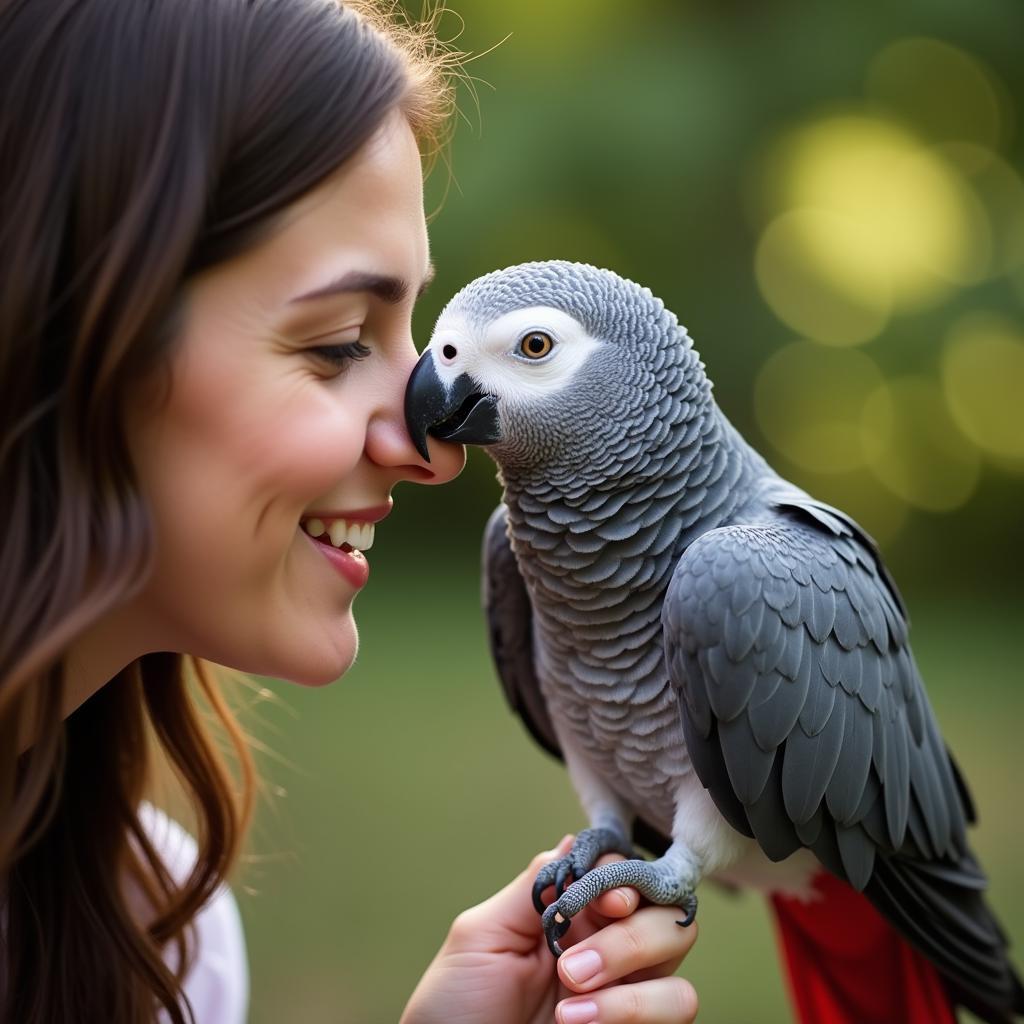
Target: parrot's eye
{"x":536,"y":345}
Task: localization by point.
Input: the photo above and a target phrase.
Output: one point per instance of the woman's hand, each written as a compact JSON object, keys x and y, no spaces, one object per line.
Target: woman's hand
{"x":495,"y":967}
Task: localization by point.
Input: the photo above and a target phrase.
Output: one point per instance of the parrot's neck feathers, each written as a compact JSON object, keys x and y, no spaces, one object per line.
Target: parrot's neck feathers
{"x":632,"y":528}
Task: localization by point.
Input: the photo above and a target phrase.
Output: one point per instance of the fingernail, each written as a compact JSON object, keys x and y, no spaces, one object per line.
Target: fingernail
{"x":581,"y":967}
{"x":577,"y":1013}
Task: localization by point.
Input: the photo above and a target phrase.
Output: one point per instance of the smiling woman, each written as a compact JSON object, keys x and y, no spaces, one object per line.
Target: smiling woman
{"x":173,"y":174}
{"x":310,"y":433}
{"x":212,"y":240}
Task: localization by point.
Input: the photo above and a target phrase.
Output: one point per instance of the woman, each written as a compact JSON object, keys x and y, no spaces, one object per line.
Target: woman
{"x":212,"y":239}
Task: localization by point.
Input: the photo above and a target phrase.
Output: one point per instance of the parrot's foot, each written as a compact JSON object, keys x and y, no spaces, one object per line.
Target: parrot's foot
{"x":657,"y":880}
{"x":590,"y":844}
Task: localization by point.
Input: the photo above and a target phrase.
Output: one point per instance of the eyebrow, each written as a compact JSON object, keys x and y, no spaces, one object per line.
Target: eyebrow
{"x":391,"y":290}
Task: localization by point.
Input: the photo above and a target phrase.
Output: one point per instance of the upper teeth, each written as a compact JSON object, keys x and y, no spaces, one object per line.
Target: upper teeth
{"x":341,"y":531}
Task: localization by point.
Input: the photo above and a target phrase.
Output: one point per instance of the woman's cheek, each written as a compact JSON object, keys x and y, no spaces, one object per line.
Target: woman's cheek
{"x":306,"y":452}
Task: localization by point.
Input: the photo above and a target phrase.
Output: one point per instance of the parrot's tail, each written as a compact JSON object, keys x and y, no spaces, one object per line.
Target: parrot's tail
{"x":847,"y":965}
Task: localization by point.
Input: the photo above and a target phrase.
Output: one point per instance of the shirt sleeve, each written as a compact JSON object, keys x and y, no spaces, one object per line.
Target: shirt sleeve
{"x":217,"y":984}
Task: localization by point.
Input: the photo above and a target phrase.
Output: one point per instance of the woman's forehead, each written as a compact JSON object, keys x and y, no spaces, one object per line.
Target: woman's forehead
{"x":366,"y":217}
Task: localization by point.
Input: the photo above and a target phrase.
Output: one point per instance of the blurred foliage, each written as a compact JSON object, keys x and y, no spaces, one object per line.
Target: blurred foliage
{"x":829,"y":196}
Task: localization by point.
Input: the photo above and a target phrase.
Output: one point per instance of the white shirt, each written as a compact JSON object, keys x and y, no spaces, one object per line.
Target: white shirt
{"x":217,"y":985}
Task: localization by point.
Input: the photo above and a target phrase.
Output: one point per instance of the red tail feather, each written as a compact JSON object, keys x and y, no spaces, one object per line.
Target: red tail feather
{"x":847,"y":965}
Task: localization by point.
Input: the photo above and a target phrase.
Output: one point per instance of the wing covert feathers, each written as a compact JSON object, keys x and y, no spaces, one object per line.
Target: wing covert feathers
{"x":806,"y":719}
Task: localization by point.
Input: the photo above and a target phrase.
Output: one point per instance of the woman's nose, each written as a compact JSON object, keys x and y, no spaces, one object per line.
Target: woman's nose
{"x":389,"y":445}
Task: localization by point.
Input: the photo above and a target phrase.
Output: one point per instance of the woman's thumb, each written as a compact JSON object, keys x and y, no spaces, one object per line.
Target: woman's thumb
{"x":509,"y":917}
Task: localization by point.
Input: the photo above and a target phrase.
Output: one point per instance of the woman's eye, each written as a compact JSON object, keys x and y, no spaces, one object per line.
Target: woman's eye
{"x":339,"y":356}
{"x":536,"y":345}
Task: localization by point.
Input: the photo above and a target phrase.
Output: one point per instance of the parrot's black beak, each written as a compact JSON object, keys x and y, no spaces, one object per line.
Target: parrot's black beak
{"x":459,"y":413}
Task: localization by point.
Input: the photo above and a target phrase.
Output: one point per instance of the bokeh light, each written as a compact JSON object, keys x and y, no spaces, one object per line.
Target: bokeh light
{"x":809,"y":401}
{"x":983,"y":381}
{"x":800,"y":265}
{"x":914,"y":448}
{"x":1000,"y":190}
{"x":915,"y":226}
{"x":946,"y":93}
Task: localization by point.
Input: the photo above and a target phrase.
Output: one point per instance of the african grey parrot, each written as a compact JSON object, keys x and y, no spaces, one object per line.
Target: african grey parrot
{"x":719,"y":658}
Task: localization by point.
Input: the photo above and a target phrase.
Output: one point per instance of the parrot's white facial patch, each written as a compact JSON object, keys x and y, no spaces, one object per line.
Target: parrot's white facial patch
{"x":493,"y":358}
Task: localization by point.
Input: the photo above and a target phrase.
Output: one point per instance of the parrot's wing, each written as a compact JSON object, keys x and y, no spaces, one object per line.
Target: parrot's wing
{"x":806,"y":719}
{"x":510,"y":630}
{"x":509,"y":614}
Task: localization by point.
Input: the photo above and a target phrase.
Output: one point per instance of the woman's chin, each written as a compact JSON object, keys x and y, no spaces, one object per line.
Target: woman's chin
{"x":320,"y":664}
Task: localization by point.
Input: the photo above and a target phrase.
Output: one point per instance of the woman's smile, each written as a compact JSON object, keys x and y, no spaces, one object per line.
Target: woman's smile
{"x":349,"y":561}
{"x":344,"y":537}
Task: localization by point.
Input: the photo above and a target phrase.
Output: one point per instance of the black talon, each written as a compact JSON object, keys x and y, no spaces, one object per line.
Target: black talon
{"x":538,"y":888}
{"x":554,"y":930}
{"x":544,"y":878}
{"x":565,"y":871}
{"x":562,"y":876}
{"x":690,"y":906}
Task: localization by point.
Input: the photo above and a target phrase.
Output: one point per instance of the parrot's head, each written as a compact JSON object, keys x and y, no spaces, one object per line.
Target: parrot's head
{"x":558,"y":369}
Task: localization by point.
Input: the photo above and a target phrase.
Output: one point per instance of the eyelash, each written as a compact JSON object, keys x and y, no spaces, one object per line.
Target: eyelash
{"x":340,"y":356}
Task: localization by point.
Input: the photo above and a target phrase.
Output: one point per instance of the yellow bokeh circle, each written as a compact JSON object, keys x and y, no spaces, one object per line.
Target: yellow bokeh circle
{"x":914,"y":448}
{"x":983,"y":381}
{"x":871,"y":220}
{"x":801,"y":266}
{"x":919,"y":227}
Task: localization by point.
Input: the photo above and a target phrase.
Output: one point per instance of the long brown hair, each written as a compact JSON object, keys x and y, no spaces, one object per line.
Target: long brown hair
{"x":141,"y":141}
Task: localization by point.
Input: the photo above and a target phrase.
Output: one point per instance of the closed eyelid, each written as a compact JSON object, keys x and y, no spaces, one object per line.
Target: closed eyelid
{"x":340,"y":355}
{"x":336,"y":332}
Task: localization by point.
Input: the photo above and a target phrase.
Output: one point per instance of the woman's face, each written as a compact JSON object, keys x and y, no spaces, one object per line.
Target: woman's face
{"x":276,"y":418}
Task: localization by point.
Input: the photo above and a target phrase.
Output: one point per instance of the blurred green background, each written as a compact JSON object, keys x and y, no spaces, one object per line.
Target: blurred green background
{"x":829,"y":196}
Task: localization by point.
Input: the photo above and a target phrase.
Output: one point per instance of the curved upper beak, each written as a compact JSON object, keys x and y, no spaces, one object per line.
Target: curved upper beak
{"x":456,"y":412}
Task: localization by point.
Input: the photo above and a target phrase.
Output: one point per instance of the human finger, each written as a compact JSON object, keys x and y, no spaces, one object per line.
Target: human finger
{"x":662,"y":1001}
{"x":650,"y":938}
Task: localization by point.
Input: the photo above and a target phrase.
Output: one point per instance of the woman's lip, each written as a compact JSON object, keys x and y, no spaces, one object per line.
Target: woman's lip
{"x":374,"y":514}
{"x":351,"y":564}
